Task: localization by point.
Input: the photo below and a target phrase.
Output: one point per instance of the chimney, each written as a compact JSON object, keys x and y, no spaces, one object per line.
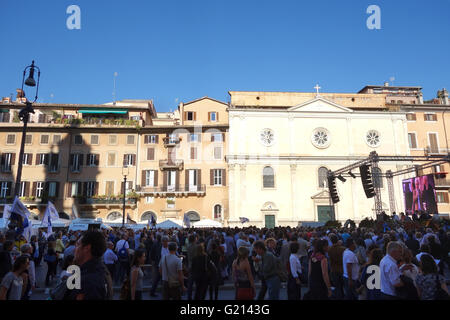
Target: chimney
{"x":420,"y":97}
{"x":443,"y":96}
{"x":386,"y":84}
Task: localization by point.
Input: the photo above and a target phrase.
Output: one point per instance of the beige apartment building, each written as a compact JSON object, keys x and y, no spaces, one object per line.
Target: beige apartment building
{"x":428,"y":123}
{"x":79,"y":154}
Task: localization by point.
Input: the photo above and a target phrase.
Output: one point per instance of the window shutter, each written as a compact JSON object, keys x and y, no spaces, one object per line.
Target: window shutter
{"x":146,"y":139}
{"x":445,"y":197}
{"x":96,"y":188}
{"x":435,"y":117}
{"x":46,"y":189}
{"x":224,"y":177}
{"x":157,"y":139}
{"x":425,"y":116}
{"x":88,"y":159}
{"x":30,"y":159}
{"x":81,"y":161}
{"x":38,"y":155}
{"x":70,"y":160}
{"x":185,"y":116}
{"x":84,"y":189}
{"x":27,"y":189}
{"x":192,"y":153}
{"x":199,"y":178}
{"x":97,"y":159}
{"x":195,"y":116}
{"x":33,"y":191}
{"x":133,"y":158}
{"x":217,"y":116}
{"x":130,"y":184}
{"x":223,"y":136}
{"x":186,"y":179}
{"x":56,"y":189}
{"x":177,"y":180}
{"x":13,"y":159}
{"x":151,"y":154}
{"x":9,"y":190}
{"x":69,"y":189}
{"x":212,"y":137}
{"x":209,"y":116}
{"x":211,"y":177}
{"x":143,"y":180}
{"x":164,"y":180}
{"x":124,"y":159}
{"x":122,"y":190}
{"x":155,"y":182}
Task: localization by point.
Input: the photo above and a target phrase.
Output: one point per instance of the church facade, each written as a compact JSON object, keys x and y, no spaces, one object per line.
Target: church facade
{"x":281,"y":146}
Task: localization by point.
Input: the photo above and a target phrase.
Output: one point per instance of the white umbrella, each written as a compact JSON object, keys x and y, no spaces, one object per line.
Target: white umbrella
{"x":168,"y":224}
{"x":207,"y":223}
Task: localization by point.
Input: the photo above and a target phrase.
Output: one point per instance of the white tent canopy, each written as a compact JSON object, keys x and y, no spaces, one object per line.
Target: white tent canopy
{"x":60,"y":223}
{"x":168,"y":224}
{"x":207,"y":223}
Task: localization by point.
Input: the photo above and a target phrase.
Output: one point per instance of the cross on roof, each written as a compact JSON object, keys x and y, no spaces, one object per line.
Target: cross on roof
{"x":317,"y":88}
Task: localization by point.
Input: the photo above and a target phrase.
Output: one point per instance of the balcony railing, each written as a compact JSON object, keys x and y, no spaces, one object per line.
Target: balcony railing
{"x":198,"y":189}
{"x":116,"y":201}
{"x":442,"y":182}
{"x":171,"y":141}
{"x":171,"y":164}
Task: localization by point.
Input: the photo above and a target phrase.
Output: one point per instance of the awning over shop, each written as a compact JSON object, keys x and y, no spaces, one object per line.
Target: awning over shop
{"x":103,"y":111}
{"x":4,"y":110}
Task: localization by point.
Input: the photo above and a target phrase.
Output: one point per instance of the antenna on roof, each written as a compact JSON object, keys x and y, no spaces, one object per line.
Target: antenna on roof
{"x":114,"y":92}
{"x":51,"y":97}
{"x":391,"y":79}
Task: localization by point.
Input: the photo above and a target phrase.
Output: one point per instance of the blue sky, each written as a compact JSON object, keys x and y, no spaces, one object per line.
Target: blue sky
{"x":168,"y":50}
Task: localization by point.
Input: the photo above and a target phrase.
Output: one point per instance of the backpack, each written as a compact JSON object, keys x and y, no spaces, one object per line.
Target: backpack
{"x":281,"y":271}
{"x":123,"y":253}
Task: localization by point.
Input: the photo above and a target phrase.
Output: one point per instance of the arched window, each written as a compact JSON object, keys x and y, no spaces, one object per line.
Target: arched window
{"x":217,"y":211}
{"x":268,"y":178}
{"x":114,"y":216}
{"x":377,"y":178}
{"x":148,"y":216}
{"x":323,"y":172}
{"x":193,"y":216}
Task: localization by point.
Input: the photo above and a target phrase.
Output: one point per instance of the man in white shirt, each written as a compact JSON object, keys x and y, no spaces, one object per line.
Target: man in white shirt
{"x":351,"y":270}
{"x":389,"y":272}
{"x":110,"y":259}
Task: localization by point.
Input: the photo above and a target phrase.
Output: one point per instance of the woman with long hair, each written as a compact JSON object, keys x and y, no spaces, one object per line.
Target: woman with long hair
{"x":199,"y":272}
{"x":375,"y":256}
{"x":52,"y":262}
{"x":137,"y":275}
{"x":319,"y":280}
{"x":430,"y":282}
{"x":242,"y":276}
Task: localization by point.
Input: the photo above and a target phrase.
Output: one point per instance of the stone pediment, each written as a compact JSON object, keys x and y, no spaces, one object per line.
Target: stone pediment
{"x":320,"y":104}
{"x":324,"y":194}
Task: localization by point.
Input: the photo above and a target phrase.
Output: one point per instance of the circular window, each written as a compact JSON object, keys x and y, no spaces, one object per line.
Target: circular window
{"x":321,"y":138}
{"x":373,"y":138}
{"x":267,"y":137}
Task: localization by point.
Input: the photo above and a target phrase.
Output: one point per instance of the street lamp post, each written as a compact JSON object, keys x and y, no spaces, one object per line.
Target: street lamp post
{"x":124,"y":173}
{"x":24,"y":115}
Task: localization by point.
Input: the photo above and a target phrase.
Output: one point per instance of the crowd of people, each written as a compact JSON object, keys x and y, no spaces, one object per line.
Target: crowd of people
{"x":192,"y":264}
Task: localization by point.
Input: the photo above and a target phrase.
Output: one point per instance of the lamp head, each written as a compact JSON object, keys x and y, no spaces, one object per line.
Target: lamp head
{"x":30,"y":80}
